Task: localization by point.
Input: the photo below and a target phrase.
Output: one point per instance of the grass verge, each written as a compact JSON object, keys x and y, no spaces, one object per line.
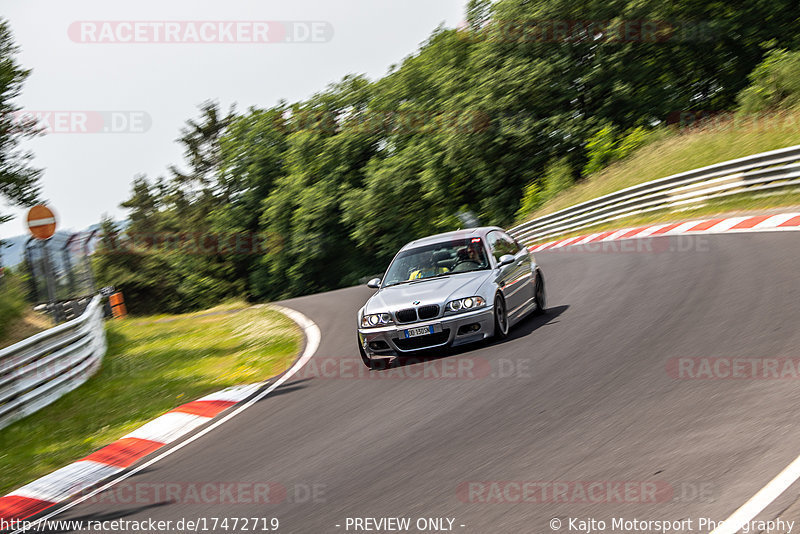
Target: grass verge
{"x":30,"y":323}
{"x":12,"y":306}
{"x":153,"y":364}
{"x":682,"y":152}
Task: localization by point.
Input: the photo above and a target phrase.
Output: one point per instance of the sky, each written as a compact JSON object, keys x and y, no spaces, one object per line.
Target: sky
{"x":114,"y":82}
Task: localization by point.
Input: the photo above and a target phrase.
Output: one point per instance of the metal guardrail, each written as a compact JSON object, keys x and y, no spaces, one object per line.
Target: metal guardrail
{"x":42,"y":368}
{"x":769,"y":171}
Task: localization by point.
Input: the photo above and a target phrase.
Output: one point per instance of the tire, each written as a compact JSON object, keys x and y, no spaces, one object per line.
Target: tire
{"x":539,"y":294}
{"x":500,"y":317}
{"x":364,"y":358}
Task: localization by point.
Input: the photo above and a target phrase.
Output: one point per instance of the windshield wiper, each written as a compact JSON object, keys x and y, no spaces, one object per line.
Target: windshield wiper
{"x":416,"y":280}
{"x":399,"y":283}
{"x":430,"y":277}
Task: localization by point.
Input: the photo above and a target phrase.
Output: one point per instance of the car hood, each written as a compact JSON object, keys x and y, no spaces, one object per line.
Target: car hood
{"x":431,"y":291}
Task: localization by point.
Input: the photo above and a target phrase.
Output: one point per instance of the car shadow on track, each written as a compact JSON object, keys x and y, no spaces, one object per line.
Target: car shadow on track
{"x":532,"y":322}
{"x":288,"y":387}
{"x":520,"y":330}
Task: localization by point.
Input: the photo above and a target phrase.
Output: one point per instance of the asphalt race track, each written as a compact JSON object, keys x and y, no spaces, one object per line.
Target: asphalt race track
{"x":582,"y":394}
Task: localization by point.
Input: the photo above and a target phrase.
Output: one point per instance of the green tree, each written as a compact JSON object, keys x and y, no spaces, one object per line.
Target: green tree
{"x":172,"y":256}
{"x":18,"y":180}
{"x":494,"y":118}
{"x":200,"y":184}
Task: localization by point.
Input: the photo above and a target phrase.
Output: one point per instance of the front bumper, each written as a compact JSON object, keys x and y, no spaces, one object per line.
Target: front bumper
{"x":390,"y":340}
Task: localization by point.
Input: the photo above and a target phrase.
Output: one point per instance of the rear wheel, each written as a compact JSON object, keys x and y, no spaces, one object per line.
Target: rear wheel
{"x":500,"y":317}
{"x":539,"y":294}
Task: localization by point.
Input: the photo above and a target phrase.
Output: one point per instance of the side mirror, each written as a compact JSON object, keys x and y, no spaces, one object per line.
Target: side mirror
{"x":506,"y":259}
{"x":375,"y":283}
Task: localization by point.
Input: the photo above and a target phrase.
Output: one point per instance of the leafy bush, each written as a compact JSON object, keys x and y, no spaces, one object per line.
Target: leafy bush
{"x":557,"y":177}
{"x":635,"y":139}
{"x":532,"y":198}
{"x":601,"y":149}
{"x":607,"y":145}
{"x":774,"y":83}
{"x":159,"y":280}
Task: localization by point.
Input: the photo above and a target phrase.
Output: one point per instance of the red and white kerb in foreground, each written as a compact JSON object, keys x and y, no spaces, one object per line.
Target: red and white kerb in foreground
{"x":86,"y":473}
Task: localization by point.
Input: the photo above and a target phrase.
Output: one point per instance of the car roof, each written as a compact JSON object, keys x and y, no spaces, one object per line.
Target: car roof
{"x":449,"y":236}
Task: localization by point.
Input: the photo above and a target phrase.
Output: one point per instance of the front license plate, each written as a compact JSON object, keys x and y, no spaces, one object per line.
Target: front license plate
{"x":421,"y":331}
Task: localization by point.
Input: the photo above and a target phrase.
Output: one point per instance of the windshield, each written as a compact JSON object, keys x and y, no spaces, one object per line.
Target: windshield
{"x":439,"y":259}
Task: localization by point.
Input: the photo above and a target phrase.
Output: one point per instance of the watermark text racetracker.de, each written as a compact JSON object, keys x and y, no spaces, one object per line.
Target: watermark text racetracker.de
{"x":411,"y":368}
{"x":204,"y":493}
{"x":583,"y":491}
{"x":592,"y":31}
{"x":596,"y":243}
{"x":725,"y":121}
{"x":386,"y":122}
{"x":83,"y":121}
{"x":190,"y":243}
{"x":199,"y":31}
{"x":705,"y":368}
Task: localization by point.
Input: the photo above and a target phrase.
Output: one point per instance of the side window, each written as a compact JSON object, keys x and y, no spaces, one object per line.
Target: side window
{"x":491,"y":238}
{"x":501,"y":245}
{"x":515,"y":246}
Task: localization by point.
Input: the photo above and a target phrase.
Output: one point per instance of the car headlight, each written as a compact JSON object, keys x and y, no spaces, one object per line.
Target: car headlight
{"x":375,"y":319}
{"x":469,"y":303}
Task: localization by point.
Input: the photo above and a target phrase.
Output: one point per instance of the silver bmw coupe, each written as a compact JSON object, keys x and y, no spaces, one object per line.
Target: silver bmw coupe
{"x":447,"y":290}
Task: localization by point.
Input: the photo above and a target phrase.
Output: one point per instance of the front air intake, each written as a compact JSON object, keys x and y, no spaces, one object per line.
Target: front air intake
{"x":428,"y":312}
{"x":409,"y":315}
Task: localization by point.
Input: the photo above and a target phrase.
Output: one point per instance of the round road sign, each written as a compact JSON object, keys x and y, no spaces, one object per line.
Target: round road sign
{"x":41,"y":222}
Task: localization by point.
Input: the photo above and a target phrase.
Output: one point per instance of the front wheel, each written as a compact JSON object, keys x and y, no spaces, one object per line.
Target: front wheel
{"x":500,"y":317}
{"x":539,"y":294}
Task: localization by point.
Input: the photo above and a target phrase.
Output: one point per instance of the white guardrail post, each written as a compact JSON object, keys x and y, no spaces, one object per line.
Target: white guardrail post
{"x":777,"y":170}
{"x":42,"y":368}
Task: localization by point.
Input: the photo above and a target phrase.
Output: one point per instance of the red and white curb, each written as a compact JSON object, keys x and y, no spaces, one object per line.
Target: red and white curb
{"x":766,"y":223}
{"x":116,"y":458}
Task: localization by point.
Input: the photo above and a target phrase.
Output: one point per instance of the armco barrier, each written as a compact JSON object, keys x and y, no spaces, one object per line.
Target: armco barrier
{"x":777,"y":170}
{"x":42,"y":368}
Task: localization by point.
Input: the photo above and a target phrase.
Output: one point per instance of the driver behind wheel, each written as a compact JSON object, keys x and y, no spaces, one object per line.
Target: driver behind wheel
{"x":469,"y":255}
{"x":430,"y":267}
